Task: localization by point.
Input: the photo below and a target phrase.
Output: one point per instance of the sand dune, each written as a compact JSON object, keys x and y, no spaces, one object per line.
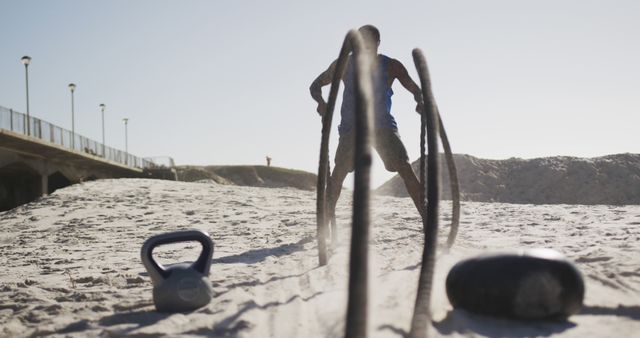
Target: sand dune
{"x":72,"y":263}
{"x":249,"y":175}
{"x":611,"y":179}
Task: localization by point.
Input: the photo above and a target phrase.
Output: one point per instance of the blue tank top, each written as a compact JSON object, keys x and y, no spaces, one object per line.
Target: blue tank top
{"x":382,"y":93}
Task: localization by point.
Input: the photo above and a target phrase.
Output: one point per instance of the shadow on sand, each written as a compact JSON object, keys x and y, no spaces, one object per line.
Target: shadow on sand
{"x":632,"y":312}
{"x":230,"y":326}
{"x":140,"y":318}
{"x":462,"y":322}
{"x":255,"y":256}
{"x":256,"y":282}
{"x":259,"y":255}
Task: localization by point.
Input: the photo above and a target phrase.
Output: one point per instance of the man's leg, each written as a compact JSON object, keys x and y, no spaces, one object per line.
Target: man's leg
{"x":343,"y":166}
{"x":334,"y":188}
{"x":412,"y":184}
{"x":395,"y":158}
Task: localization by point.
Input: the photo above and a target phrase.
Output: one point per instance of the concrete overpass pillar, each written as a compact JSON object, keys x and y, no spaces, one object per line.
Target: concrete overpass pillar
{"x":44,"y":178}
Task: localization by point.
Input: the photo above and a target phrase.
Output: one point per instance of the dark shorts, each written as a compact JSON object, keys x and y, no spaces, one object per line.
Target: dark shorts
{"x":386,"y":142}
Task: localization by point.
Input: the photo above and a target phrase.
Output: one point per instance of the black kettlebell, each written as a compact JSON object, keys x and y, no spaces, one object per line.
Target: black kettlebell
{"x":180,"y":287}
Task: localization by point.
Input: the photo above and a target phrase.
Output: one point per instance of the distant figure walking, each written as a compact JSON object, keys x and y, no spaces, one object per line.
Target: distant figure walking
{"x":386,"y":137}
{"x":268,"y":161}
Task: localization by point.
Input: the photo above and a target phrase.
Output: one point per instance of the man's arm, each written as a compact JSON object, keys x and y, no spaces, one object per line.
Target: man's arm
{"x":317,"y":84}
{"x":398,"y":71}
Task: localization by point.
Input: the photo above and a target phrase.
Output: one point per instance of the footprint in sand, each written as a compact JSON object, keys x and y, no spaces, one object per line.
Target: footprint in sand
{"x":587,"y":259}
{"x":99,"y":308}
{"x":92,"y":280}
{"x":73,"y":297}
{"x":54,"y":309}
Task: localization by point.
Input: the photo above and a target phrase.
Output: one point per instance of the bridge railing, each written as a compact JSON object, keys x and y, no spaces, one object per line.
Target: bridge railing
{"x":161,"y":161}
{"x":48,"y":132}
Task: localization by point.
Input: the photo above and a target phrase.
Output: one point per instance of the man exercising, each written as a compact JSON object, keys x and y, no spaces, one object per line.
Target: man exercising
{"x":386,"y":138}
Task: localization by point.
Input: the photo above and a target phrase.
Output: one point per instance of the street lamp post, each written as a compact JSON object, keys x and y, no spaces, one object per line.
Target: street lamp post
{"x":72,"y":87}
{"x":102,"y":107}
{"x":26,"y":60}
{"x":126,"y":140}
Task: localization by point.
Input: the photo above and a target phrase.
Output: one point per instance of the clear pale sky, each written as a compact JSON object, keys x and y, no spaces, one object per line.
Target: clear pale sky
{"x":226,"y":82}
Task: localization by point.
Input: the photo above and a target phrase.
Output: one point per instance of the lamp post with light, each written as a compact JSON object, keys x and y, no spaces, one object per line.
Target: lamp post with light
{"x":102,"y":107}
{"x":26,"y":60}
{"x":72,"y":87}
{"x":126,"y":140}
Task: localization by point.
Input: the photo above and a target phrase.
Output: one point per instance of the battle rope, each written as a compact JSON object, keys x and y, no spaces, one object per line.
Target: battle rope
{"x":356,"y":325}
{"x":430,"y":123}
{"x":431,"y":183}
{"x":323,"y":166}
{"x":359,"y":258}
{"x":453,"y":180}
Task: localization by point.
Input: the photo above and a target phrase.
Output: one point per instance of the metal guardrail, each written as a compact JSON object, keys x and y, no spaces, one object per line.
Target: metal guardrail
{"x":161,"y":161}
{"x":48,"y":132}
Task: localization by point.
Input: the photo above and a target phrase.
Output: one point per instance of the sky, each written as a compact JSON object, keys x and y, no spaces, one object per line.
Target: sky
{"x":227,"y":82}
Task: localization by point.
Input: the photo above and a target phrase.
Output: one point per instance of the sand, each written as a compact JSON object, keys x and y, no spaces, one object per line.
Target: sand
{"x":71,"y":263}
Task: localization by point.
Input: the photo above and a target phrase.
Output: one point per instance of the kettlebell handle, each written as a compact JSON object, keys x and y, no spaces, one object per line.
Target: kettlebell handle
{"x":157,"y":272}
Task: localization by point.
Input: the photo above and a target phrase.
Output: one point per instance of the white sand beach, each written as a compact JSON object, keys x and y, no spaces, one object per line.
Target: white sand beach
{"x":71,"y":263}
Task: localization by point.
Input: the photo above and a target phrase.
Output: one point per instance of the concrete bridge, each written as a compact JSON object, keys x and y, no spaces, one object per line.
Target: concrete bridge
{"x":37,"y":157}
